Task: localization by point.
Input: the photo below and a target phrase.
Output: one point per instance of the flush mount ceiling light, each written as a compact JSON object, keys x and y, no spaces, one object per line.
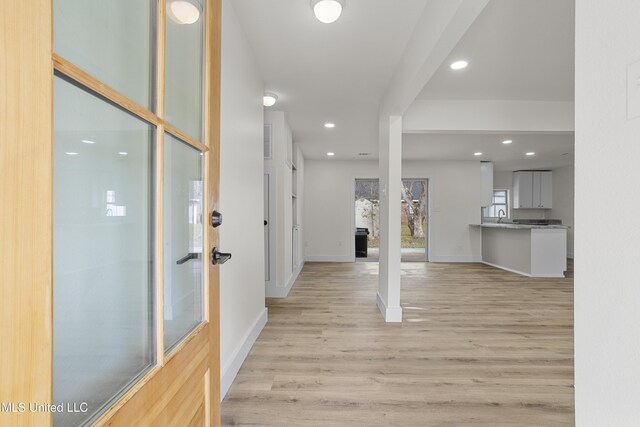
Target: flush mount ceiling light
{"x":327,"y":11}
{"x":183,"y":12}
{"x":71,"y":153}
{"x":88,"y":141}
{"x":459,"y":65}
{"x":122,"y":153}
{"x":531,"y":153}
{"x":331,"y":154}
{"x":329,"y":125}
{"x":269,"y":99}
{"x":477,"y":154}
{"x":508,"y":141}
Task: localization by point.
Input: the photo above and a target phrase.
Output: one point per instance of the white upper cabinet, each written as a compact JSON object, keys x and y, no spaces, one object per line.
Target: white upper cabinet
{"x":532,"y":190}
{"x":486,"y":173}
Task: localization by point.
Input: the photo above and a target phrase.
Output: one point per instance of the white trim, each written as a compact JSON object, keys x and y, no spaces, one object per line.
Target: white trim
{"x":329,"y":258}
{"x":455,"y":258}
{"x":232,"y":367}
{"x":390,"y":314}
{"x":522,"y":273}
{"x":272,"y":291}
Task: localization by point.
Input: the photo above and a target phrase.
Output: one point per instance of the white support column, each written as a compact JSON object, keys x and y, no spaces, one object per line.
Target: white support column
{"x":388,"y":297}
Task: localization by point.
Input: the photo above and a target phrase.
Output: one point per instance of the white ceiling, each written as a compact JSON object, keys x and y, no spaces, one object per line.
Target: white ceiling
{"x":552,"y":150}
{"x":329,"y":72}
{"x":517,"y":50}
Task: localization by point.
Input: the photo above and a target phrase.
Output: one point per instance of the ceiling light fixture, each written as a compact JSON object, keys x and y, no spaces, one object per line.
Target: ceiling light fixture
{"x":508,"y":141}
{"x":71,"y":153}
{"x":122,"y":153}
{"x":331,"y":154}
{"x":269,"y":99}
{"x":329,"y":125}
{"x":327,"y":11}
{"x":88,"y":141}
{"x":477,"y":154}
{"x":459,"y":65}
{"x":531,"y":153}
{"x":183,"y":12}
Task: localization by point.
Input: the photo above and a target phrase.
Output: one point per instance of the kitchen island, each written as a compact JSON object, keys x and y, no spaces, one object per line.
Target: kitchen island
{"x":530,"y":250}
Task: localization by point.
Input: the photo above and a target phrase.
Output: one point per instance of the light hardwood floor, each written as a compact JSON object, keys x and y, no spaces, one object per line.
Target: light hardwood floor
{"x":478,"y":346}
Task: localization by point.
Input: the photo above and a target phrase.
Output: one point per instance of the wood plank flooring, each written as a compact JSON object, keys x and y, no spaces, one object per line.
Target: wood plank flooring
{"x":478,"y":346}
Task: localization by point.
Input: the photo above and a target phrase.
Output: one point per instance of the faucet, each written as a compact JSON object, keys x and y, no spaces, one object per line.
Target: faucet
{"x":501,"y":217}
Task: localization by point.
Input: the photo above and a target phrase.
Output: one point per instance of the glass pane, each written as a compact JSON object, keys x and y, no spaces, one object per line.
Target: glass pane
{"x":183,"y":245}
{"x":111,"y":40}
{"x":184,"y":66}
{"x":102,"y":301}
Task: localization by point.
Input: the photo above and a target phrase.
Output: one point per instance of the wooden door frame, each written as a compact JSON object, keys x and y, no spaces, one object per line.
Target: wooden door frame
{"x":26,"y":220}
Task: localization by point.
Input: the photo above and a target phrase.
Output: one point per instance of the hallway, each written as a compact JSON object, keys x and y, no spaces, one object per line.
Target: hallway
{"x":478,"y":346}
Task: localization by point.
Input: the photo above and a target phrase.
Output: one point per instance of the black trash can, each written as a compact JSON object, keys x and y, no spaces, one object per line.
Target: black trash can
{"x":361,"y":242}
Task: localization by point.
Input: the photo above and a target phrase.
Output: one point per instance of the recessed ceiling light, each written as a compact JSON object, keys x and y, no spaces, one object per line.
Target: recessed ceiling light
{"x":331,"y":154}
{"x":327,"y":11}
{"x":183,"y":12}
{"x":269,"y":99}
{"x":508,"y":141}
{"x":88,"y":141}
{"x":531,"y":153}
{"x":477,"y":154}
{"x":122,"y":153}
{"x":330,"y":125}
{"x":71,"y":153}
{"x":459,"y":65}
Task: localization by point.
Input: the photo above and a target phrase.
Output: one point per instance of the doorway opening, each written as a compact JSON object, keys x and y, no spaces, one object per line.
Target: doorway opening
{"x":367,"y":220}
{"x":414,"y":220}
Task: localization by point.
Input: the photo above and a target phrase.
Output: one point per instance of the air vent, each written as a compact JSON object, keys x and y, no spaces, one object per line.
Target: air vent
{"x":267,"y":141}
{"x":363,"y":154}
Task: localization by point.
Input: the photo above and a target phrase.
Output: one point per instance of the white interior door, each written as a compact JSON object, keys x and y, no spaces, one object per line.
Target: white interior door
{"x":267,"y":230}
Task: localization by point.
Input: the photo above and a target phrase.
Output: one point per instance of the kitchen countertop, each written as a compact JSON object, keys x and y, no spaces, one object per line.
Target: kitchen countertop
{"x":517,"y":226}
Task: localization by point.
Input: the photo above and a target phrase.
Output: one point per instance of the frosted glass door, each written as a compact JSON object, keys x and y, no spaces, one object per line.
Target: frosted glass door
{"x":102,"y":302}
{"x":183,"y":249}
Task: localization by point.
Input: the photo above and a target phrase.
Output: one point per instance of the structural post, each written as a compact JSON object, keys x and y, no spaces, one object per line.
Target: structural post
{"x":388,"y":297}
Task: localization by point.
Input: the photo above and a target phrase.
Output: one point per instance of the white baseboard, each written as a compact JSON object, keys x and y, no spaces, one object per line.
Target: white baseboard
{"x":455,"y":258}
{"x":522,"y":273}
{"x":329,"y":258}
{"x":273,"y":291}
{"x":390,"y":314}
{"x":232,"y":367}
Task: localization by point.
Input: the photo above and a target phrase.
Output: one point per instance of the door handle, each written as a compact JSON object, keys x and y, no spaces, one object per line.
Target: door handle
{"x":265,"y":222}
{"x":187,"y":257}
{"x":219,"y":257}
{"x":216,"y":219}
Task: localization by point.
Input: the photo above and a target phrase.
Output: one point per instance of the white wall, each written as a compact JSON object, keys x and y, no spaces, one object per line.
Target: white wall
{"x":329,"y":205}
{"x":607,"y":284}
{"x":242,"y":308}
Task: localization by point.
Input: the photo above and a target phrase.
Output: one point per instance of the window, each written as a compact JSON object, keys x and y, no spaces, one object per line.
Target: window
{"x":500,"y":203}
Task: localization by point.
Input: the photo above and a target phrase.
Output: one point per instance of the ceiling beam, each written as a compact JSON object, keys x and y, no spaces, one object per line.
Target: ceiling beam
{"x":480,"y":116}
{"x":442,"y":25}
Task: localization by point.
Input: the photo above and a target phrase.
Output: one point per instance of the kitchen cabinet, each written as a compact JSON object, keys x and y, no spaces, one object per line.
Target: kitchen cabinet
{"x":532,"y":190}
{"x":486,"y":177}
